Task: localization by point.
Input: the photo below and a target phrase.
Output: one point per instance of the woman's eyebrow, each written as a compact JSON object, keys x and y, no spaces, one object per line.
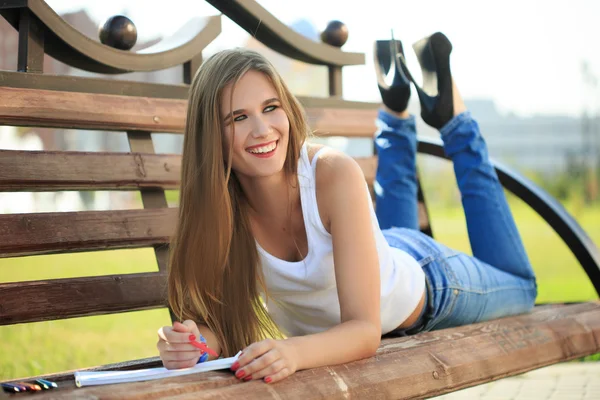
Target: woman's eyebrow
{"x":271,"y":100}
{"x":241,"y":110}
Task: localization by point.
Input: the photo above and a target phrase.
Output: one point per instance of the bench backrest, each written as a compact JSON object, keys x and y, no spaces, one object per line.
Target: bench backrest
{"x":138,"y":170}
{"x":31,"y":98}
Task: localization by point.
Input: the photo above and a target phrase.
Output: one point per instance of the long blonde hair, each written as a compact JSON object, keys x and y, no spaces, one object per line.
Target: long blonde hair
{"x":214,"y":273}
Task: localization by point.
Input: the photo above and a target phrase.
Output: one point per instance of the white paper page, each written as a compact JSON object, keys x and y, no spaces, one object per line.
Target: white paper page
{"x":89,"y":378}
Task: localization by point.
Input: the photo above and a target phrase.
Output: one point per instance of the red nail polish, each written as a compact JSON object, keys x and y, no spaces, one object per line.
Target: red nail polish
{"x":235,"y":366}
{"x":268,"y":379}
{"x":240,"y":373}
{"x":248,"y":378}
{"x":192,"y":337}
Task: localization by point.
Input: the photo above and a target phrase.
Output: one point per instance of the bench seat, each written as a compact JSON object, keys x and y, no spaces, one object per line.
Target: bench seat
{"x":423,"y":365}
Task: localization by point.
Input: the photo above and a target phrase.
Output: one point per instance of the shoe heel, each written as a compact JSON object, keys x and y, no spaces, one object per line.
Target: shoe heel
{"x":435,"y":95}
{"x":388,"y":54}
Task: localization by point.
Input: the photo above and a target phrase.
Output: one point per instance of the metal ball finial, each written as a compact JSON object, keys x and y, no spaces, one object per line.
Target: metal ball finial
{"x":118,"y":32}
{"x":336,"y":34}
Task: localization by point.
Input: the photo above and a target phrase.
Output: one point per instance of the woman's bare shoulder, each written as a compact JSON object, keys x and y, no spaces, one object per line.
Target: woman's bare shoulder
{"x":337,"y":174}
{"x":331,"y":163}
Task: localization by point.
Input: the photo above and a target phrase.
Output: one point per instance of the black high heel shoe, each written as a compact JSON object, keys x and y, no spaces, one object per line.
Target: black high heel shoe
{"x":435,"y":95}
{"x":388,"y":53}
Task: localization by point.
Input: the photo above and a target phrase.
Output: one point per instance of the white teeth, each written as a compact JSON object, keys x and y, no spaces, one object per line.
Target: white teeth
{"x":265,"y":149}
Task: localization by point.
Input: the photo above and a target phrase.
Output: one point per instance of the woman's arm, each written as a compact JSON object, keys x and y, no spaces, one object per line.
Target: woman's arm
{"x":344,"y":204}
{"x":344,"y":201}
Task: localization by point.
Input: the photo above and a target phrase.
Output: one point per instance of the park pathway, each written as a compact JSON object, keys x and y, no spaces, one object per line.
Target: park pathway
{"x":568,"y":381}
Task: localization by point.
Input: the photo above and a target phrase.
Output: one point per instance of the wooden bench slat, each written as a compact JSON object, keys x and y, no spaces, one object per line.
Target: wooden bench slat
{"x":50,"y":108}
{"x":75,"y":297}
{"x":369,"y":167}
{"x":36,"y":171}
{"x":424,"y":365}
{"x":341,"y":122}
{"x":61,"y":170}
{"x":44,"y":233}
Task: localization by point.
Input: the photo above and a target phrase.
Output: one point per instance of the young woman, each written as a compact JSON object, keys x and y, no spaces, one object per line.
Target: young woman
{"x":268,"y":219}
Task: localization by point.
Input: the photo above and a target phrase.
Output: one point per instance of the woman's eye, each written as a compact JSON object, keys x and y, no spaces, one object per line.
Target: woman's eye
{"x":244,"y":116}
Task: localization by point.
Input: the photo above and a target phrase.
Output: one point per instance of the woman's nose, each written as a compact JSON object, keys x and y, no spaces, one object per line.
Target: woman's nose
{"x":261,"y":127}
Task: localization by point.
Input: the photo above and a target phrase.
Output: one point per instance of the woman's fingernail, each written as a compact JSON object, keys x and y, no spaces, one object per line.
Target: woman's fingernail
{"x":248,"y":378}
{"x":268,"y":379}
{"x":240,"y":373}
{"x":235,"y":366}
{"x":192,"y":337}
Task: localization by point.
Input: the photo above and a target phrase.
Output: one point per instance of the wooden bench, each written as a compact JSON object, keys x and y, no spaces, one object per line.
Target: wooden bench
{"x":423,"y":365}
{"x":426,"y":364}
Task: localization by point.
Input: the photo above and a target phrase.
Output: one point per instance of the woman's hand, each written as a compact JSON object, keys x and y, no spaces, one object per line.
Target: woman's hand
{"x":175,"y":348}
{"x":270,"y":360}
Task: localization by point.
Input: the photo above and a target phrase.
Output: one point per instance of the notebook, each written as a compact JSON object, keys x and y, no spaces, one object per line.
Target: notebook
{"x":89,"y":378}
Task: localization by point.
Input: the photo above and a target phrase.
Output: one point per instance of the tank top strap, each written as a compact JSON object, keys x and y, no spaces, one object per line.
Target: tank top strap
{"x":307,"y":178}
{"x":304,"y":163}
{"x":313,"y":163}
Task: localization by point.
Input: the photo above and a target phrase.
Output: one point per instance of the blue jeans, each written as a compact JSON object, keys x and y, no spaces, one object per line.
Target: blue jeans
{"x":498,"y":280}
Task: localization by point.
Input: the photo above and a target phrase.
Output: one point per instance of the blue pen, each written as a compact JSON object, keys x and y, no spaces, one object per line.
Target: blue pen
{"x":204,"y":356}
{"x":10,"y":388}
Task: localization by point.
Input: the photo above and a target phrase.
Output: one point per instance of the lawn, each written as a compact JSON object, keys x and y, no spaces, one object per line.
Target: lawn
{"x":560,"y":277}
{"x":44,"y":347}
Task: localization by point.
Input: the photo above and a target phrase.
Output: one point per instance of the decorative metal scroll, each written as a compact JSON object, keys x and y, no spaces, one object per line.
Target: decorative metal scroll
{"x":41,"y":29}
{"x":266,"y":28}
{"x":66,"y":44}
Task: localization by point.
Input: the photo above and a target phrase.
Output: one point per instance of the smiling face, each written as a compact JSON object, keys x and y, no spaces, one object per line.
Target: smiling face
{"x":256,"y":128}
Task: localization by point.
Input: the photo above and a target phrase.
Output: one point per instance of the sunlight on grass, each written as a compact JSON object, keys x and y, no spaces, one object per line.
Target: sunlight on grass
{"x":560,"y":277}
{"x":50,"y":346}
{"x":73,"y":265}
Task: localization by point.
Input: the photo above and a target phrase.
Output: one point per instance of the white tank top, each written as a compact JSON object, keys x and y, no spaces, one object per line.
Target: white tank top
{"x":303,"y":298}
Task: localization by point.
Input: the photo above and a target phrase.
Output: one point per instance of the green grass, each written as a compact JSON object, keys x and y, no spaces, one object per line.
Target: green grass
{"x":44,"y":347}
{"x":593,"y":357}
{"x":559,"y":275}
{"x":77,"y":264}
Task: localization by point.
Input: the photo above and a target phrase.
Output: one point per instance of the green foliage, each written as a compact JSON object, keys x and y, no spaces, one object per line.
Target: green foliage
{"x":593,"y":357}
{"x":578,"y":182}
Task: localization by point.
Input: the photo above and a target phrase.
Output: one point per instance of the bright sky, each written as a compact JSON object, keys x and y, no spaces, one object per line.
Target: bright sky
{"x":526,"y":55}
